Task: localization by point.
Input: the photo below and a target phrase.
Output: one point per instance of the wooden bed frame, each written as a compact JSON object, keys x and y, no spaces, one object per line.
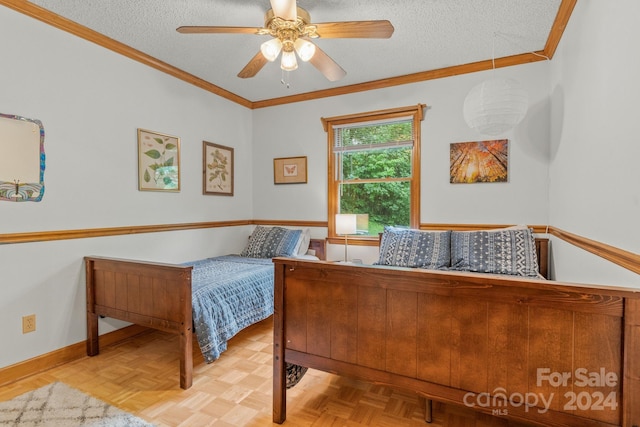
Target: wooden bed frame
{"x":155,"y":295}
{"x":482,"y":341}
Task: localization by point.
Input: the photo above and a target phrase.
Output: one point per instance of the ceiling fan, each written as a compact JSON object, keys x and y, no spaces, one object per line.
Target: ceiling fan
{"x":291,"y":30}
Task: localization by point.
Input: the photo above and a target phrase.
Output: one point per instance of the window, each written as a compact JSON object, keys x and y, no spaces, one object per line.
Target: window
{"x":374,"y":169}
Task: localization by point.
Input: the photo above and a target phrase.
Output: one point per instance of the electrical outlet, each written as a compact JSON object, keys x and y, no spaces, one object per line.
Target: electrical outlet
{"x":28,"y":323}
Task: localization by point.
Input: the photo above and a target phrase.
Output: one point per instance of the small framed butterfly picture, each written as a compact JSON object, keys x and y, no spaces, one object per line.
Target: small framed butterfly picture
{"x":290,"y":170}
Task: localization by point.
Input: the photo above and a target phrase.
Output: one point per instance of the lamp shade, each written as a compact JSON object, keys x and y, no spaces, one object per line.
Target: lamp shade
{"x":305,"y":49}
{"x":495,"y":106}
{"x":271,"y":49}
{"x":345,"y":224}
{"x":288,"y":61}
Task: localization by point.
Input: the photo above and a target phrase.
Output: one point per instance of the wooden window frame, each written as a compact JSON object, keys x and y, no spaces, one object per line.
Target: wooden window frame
{"x":416,"y":112}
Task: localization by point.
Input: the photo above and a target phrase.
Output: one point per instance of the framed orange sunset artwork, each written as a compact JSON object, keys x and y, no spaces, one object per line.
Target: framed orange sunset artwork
{"x":479,"y":161}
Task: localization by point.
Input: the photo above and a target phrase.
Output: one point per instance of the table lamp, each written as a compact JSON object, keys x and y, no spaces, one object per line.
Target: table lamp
{"x":345,"y":225}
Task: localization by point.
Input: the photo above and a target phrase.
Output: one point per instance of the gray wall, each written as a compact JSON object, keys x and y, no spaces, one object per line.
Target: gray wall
{"x":594,"y":149}
{"x":296,"y":130}
{"x":572,"y":161}
{"x":91,"y":102}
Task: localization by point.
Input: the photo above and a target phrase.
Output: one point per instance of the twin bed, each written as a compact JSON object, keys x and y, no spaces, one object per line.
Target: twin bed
{"x":517,"y":346}
{"x":213,"y":298}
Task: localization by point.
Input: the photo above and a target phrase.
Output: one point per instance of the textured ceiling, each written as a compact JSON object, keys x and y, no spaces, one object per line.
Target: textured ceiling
{"x":429,"y":35}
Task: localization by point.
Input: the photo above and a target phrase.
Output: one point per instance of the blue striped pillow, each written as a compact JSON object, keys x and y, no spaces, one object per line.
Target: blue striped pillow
{"x":510,"y":252}
{"x":269,"y":242}
{"x":415,"y":248}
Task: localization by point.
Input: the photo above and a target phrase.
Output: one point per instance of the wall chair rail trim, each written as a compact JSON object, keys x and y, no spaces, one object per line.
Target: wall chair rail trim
{"x":621,"y":257}
{"x":43,"y":236}
{"x":626,"y":259}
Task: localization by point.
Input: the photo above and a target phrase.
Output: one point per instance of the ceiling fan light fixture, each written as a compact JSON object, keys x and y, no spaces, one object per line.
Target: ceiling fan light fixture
{"x":289,"y":62}
{"x":286,"y":24}
{"x":305,"y":49}
{"x":271,"y":49}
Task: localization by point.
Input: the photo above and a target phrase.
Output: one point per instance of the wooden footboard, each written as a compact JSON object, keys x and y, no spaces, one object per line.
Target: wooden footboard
{"x":537,"y":351}
{"x":145,"y":293}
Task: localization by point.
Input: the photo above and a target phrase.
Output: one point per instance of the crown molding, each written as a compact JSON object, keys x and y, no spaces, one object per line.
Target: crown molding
{"x":555,"y":34}
{"x":62,"y":23}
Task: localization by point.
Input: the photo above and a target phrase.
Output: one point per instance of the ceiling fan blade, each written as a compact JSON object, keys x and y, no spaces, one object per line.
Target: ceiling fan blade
{"x":355,"y":29}
{"x":215,"y":30}
{"x":327,"y":66}
{"x":255,"y":65}
{"x":285,"y":9}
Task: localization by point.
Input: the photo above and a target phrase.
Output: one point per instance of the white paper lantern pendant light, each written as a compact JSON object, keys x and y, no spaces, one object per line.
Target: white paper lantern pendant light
{"x":498,"y":104}
{"x":495,"y":106}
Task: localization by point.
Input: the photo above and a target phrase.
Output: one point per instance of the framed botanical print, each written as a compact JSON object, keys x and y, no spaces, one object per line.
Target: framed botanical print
{"x":158,"y":161}
{"x":217,"y":169}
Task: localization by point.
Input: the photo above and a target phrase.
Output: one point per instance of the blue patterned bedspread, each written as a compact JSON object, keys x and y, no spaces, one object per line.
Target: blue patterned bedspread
{"x":229,"y":293}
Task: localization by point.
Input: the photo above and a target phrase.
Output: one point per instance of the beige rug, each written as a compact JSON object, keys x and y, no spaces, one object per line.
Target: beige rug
{"x":58,"y":405}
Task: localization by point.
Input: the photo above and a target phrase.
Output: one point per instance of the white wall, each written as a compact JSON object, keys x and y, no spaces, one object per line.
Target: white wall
{"x":296,"y":130}
{"x":91,"y":102}
{"x":595,"y":186}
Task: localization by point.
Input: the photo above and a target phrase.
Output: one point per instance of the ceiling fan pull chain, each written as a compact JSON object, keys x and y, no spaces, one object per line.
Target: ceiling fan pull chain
{"x":285,"y":79}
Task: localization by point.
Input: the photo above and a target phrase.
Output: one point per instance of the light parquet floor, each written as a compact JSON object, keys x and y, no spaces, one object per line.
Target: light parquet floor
{"x":140,"y":375}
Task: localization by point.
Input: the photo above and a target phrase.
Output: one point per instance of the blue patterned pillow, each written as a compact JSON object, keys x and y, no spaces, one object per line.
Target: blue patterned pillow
{"x":269,"y":242}
{"x":415,"y":248}
{"x":501,"y":252}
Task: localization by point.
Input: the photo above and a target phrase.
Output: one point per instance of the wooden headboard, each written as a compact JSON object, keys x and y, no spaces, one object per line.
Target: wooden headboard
{"x":542,"y":251}
{"x":319,"y":247}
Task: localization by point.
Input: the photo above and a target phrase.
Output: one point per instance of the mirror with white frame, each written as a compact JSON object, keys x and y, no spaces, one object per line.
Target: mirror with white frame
{"x":21,"y":159}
